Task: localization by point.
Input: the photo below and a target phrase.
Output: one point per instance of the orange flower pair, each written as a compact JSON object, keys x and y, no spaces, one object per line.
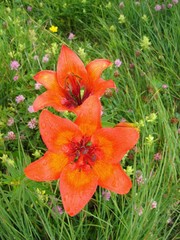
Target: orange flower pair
{"x":81,"y":154}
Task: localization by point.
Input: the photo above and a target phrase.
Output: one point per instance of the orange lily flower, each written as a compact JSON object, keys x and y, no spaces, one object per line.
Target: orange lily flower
{"x":82,"y":155}
{"x":72,"y":83}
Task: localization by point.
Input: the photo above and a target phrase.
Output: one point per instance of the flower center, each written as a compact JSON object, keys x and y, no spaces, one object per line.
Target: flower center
{"x":75,"y":93}
{"x":82,"y":153}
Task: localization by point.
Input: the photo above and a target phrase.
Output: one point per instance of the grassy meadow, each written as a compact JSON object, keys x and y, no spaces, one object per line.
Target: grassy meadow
{"x":141,"y":39}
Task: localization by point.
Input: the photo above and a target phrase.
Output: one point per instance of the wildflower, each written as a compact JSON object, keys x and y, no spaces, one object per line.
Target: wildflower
{"x":175,"y":1}
{"x":22,"y":137}
{"x":82,"y":155}
{"x":10,"y":136}
{"x":144,"y":18}
{"x":131,"y":65}
{"x":174,"y":120}
{"x":29,"y":8}
{"x":157,"y":156}
{"x":118,"y":62}
{"x":71,"y":36}
{"x":53,"y":29}
{"x":169,"y":5}
{"x":38,"y":86}
{"x":140,"y":211}
{"x":137,"y":3}
{"x":30,"y":109}
{"x":14,"y":65}
{"x":4,"y":158}
{"x":112,"y":28}
{"x":153,"y":204}
{"x":8,"y":9}
{"x":37,"y":153}
{"x":109,"y":5}
{"x":41,"y":194}
{"x":81,"y":52}
{"x":151,"y":118}
{"x":164,"y":86}
{"x":158,"y":7}
{"x":138,"y":53}
{"x":36,"y":57}
{"x":163,"y":6}
{"x":16,"y":77}
{"x":32,"y":123}
{"x":45,"y":59}
{"x":73,"y":83}
{"x":122,"y":19}
{"x":58,"y":209}
{"x":10,"y":121}
{"x":149,"y":139}
{"x":129,"y":170}
{"x":116,"y":73}
{"x":15,"y":182}
{"x":108,"y":93}
{"x":145,"y":43}
{"x":139,"y":177}
{"x":121,"y":5}
{"x":19,"y":98}
{"x":106,"y":195}
{"x":169,"y":220}
{"x":140,"y":123}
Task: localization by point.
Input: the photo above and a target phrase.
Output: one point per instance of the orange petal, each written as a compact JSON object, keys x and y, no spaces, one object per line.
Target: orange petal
{"x":69,"y":63}
{"x":101,"y":85}
{"x":56,"y":131}
{"x":76,"y":187}
{"x":96,"y":67}
{"x":127,"y":124}
{"x":47,"y":78}
{"x":115,"y":142}
{"x":47,"y":168}
{"x":112,"y":177}
{"x":49,"y":98}
{"x":89,"y":116}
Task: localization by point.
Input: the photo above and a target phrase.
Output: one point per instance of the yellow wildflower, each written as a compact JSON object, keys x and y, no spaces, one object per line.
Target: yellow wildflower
{"x":144,"y":18}
{"x":145,"y":43}
{"x":53,"y":29}
{"x":41,"y":194}
{"x":129,"y":170}
{"x":122,"y":19}
{"x":112,"y":28}
{"x":149,"y":139}
{"x":81,"y":53}
{"x":151,"y":118}
{"x":37,"y":153}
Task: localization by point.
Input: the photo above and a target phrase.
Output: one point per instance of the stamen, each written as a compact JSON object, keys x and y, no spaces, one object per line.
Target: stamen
{"x":82,"y":153}
{"x":75,"y":93}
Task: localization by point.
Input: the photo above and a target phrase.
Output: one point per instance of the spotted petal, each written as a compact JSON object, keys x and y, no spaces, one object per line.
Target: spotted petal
{"x":48,"y":79}
{"x":76,"y":187}
{"x":69,"y":63}
{"x":101,"y":86}
{"x":47,"y":168}
{"x":49,"y":98}
{"x":96,"y":67}
{"x":89,"y":116}
{"x":115,"y":142}
{"x":112,"y":177}
{"x":56,"y":131}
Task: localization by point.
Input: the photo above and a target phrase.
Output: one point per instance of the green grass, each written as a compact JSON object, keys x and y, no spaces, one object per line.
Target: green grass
{"x":29,"y":214}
